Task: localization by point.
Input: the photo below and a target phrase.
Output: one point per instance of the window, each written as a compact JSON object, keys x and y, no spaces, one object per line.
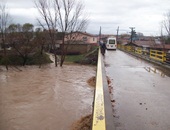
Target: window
{"x":84,"y":38}
{"x":111,"y":41}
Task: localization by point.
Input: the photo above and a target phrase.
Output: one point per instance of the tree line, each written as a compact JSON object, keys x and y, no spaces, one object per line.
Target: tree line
{"x":58,"y":20}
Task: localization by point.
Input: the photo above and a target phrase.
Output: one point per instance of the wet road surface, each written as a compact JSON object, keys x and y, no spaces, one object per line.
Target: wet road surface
{"x":46,"y":98}
{"x":141,"y":92}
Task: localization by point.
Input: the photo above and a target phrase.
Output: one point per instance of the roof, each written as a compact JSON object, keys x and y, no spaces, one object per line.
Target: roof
{"x":147,"y":44}
{"x":85,"y":33}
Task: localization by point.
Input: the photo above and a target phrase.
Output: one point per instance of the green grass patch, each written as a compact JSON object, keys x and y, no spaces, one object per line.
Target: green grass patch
{"x":88,"y":58}
{"x":74,"y":58}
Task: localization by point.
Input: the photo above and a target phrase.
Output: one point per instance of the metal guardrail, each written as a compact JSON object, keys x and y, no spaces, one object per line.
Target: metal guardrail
{"x":156,"y":55}
{"x":167,"y":58}
{"x":138,"y":50}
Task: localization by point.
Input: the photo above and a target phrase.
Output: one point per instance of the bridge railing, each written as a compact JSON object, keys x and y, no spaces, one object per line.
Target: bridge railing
{"x":155,"y":55}
{"x":158,"y":55}
{"x":167,"y":58}
{"x":102,"y":108}
{"x":138,"y":50}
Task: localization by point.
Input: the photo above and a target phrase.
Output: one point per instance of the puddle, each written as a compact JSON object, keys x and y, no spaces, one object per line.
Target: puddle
{"x":163,"y":73}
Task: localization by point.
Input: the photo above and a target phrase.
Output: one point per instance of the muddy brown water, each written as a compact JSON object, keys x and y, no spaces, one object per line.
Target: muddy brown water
{"x":46,"y":98}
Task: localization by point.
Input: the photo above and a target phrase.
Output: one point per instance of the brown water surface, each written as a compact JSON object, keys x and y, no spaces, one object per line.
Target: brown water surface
{"x":46,"y":98}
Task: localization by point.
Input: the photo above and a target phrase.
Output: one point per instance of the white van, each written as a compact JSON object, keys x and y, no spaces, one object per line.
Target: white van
{"x":111,"y":43}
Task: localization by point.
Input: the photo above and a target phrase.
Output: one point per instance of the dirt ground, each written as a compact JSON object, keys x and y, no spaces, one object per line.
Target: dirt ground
{"x":83,"y":124}
{"x":92,"y":81}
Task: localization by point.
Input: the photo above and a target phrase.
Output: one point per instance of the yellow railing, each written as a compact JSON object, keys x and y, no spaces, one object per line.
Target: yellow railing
{"x":152,"y":54}
{"x":138,"y":50}
{"x":99,"y":119}
{"x":158,"y":55}
{"x":129,"y":48}
{"x":145,"y":52}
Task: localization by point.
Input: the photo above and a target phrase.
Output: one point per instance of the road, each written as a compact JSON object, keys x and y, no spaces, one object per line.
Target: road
{"x":141,"y":92}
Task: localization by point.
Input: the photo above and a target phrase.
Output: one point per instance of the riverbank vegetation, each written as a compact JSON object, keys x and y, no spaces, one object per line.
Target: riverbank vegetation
{"x":88,"y":58}
{"x":53,"y":33}
{"x":34,"y":59}
{"x":38,"y":58}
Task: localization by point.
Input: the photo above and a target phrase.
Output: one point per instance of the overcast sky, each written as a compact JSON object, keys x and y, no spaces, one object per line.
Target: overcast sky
{"x":144,"y":15}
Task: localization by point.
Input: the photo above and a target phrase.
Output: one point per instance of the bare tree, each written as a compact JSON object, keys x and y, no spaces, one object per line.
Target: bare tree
{"x":40,"y":40}
{"x":66,"y":16}
{"x":71,"y":19}
{"x":48,"y":21}
{"x":22,"y":42}
{"x":166,"y":23}
{"x":4,"y":20}
{"x":162,"y":37}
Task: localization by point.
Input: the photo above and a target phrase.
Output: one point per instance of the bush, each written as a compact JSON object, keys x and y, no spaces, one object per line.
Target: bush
{"x":34,"y":59}
{"x":37,"y":59}
{"x":91,"y":57}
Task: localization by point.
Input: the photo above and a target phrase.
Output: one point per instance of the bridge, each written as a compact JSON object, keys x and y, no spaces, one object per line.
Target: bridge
{"x":138,"y":97}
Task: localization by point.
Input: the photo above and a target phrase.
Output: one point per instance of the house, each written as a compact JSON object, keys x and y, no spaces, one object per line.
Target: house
{"x":75,"y":42}
{"x":147,"y":43}
{"x":81,"y":38}
{"x":80,"y":42}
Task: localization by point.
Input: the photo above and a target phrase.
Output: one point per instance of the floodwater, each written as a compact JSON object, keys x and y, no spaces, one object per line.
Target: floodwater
{"x":47,"y":98}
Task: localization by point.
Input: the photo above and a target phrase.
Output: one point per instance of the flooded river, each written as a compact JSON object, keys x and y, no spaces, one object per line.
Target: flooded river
{"x":47,"y":98}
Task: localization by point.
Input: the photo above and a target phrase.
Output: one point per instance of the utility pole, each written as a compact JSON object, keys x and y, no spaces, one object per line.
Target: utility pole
{"x":100,"y":34}
{"x":132,"y":32}
{"x":117,"y":33}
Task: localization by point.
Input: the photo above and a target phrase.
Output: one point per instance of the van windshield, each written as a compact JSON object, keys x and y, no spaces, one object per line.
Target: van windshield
{"x":111,"y":41}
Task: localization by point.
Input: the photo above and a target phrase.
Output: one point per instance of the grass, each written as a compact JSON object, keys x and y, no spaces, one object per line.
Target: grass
{"x":74,"y":58}
{"x":88,"y":58}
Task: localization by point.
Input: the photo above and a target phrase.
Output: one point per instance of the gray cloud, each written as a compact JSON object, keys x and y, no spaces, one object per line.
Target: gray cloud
{"x":20,"y":3}
{"x":144,"y":15}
